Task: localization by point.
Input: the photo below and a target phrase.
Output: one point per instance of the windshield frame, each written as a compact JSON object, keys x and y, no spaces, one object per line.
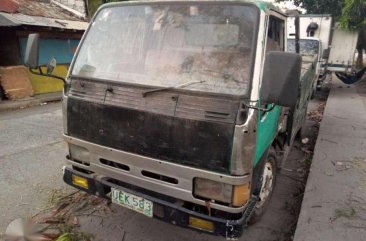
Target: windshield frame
{"x":147,"y":3}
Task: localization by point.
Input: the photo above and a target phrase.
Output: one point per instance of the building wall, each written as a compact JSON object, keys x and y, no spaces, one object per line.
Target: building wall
{"x":44,"y":84}
{"x":62,"y":50}
{"x":78,"y":5}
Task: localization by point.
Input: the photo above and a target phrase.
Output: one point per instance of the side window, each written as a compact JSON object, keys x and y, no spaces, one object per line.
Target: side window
{"x":276,"y":34}
{"x":275,"y":42}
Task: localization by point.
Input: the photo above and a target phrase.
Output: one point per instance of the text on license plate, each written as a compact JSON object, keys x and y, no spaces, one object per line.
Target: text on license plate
{"x":133,"y":202}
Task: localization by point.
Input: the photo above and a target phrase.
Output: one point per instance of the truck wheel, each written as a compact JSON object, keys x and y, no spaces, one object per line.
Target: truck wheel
{"x":268,"y":181}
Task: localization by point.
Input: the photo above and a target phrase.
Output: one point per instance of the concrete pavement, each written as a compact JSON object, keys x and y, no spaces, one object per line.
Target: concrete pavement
{"x":32,"y":154}
{"x":334,"y":204}
{"x":6,"y":105}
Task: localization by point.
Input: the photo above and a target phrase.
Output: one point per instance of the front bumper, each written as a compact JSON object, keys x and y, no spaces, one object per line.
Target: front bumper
{"x":167,"y":208}
{"x":135,"y":165}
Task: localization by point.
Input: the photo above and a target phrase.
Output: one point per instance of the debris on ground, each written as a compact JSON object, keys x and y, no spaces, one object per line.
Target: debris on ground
{"x":342,"y":166}
{"x":305,"y":141}
{"x":64,"y":237}
{"x":317,"y":115}
{"x":300,"y":174}
{"x":60,"y":219}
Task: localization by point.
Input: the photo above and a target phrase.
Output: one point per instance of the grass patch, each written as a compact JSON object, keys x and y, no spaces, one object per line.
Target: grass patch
{"x":344,"y":212}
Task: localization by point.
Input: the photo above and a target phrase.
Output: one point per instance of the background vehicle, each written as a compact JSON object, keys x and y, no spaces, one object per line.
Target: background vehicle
{"x":178,"y":111}
{"x":338,"y":52}
{"x":314,"y":28}
{"x":311,"y":50}
{"x":343,"y":55}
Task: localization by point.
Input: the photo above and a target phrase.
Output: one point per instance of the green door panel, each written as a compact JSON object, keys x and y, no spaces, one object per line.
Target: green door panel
{"x":266,"y":131}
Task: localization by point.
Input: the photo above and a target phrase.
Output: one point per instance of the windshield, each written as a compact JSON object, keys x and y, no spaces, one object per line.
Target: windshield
{"x":307,"y":46}
{"x":169,"y":45}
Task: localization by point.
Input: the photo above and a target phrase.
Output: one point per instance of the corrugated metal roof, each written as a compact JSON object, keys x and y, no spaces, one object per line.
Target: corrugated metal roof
{"x":8,"y":6}
{"x":21,"y":19}
{"x":48,"y":10}
{"x":5,"y":22}
{"x":37,"y":8}
{"x":36,"y":13}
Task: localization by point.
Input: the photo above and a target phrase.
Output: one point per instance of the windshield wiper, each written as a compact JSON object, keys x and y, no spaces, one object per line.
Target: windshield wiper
{"x":144,"y":94}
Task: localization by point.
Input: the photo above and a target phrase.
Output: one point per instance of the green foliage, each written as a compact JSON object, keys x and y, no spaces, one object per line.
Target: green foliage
{"x":93,"y":5}
{"x":345,"y":212}
{"x":353,"y":14}
{"x":64,"y":237}
{"x":333,"y":7}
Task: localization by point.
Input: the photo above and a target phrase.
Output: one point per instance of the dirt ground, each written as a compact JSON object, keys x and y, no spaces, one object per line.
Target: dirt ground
{"x":91,"y":218}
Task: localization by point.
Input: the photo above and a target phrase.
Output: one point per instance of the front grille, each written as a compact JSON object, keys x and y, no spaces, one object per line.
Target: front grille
{"x":190,"y":130}
{"x":114,"y":164}
{"x":159,"y":177}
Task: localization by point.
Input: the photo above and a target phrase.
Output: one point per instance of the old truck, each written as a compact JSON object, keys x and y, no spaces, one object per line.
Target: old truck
{"x":315,"y":32}
{"x":182,"y":110}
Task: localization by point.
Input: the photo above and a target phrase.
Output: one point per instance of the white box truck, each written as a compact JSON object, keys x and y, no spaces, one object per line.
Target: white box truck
{"x":336,"y":47}
{"x":315,"y":33}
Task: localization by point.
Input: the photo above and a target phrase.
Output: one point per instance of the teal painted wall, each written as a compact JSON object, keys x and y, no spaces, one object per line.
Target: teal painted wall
{"x":61,"y":49}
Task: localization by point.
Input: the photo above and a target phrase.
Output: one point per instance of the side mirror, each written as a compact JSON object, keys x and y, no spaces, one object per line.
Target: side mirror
{"x":326,"y":53}
{"x":51,"y":66}
{"x":281,"y":78}
{"x":31,"y":51}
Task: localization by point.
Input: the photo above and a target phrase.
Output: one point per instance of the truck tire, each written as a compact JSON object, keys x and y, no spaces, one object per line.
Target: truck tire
{"x":267,"y":183}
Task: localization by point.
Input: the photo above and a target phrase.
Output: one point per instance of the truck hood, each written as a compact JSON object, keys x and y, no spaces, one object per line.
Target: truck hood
{"x":173,"y":126}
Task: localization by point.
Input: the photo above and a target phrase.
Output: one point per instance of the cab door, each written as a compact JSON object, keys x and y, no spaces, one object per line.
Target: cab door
{"x":268,"y":121}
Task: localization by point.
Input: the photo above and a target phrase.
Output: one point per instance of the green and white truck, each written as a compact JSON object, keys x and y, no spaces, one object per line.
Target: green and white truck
{"x":182,"y":110}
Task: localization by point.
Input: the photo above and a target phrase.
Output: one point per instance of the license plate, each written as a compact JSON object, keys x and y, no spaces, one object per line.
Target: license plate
{"x":132,"y":202}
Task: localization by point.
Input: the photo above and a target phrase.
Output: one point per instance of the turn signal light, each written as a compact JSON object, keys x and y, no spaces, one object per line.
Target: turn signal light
{"x":241,"y":195}
{"x":80,"y":181}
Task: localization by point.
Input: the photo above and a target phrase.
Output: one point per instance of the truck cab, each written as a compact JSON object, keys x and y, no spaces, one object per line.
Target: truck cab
{"x":180,"y":110}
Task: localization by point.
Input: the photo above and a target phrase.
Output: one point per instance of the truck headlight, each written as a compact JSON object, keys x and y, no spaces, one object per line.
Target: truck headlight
{"x":222,"y":192}
{"x":79,"y":153}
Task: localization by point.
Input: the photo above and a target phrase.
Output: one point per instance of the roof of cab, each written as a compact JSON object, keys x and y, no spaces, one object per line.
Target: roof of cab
{"x":262,"y":5}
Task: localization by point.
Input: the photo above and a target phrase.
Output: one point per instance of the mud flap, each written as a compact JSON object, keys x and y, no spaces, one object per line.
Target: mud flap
{"x":250,"y":209}
{"x":233,"y":232}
